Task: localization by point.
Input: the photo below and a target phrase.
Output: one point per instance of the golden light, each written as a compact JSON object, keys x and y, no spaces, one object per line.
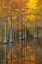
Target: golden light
{"x":32,"y":17}
{"x":38,"y":17}
{"x":32,"y":4}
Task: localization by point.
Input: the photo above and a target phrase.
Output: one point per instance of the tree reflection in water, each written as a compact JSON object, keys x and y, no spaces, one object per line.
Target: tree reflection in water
{"x":22,"y":51}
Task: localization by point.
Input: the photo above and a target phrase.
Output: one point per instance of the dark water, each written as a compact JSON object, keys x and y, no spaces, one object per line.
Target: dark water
{"x":28,"y":51}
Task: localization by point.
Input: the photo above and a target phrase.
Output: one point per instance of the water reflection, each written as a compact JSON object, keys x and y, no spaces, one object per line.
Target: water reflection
{"x":5,"y":59}
{"x":21,"y":52}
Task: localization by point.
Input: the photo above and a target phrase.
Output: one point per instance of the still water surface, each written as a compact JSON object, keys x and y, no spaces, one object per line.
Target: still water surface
{"x":28,"y":51}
